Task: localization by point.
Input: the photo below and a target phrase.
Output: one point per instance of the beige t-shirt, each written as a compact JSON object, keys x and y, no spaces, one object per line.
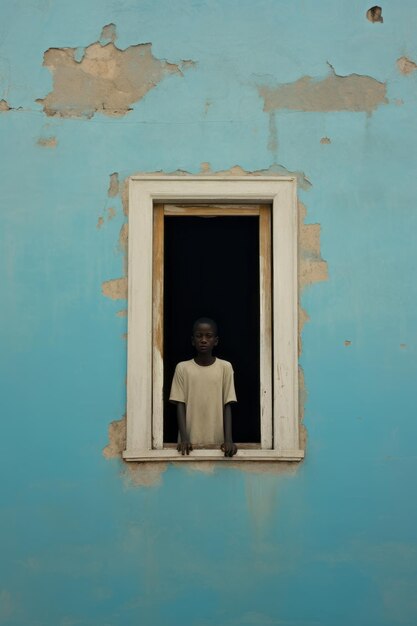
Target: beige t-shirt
{"x":204,"y":389}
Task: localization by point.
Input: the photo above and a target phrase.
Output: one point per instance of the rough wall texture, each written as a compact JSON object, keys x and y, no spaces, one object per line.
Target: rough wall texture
{"x":89,"y":541}
{"x":104,"y":80}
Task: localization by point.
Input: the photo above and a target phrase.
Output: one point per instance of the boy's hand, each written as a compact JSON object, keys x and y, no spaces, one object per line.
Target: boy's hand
{"x":229,"y":448}
{"x":185,"y":447}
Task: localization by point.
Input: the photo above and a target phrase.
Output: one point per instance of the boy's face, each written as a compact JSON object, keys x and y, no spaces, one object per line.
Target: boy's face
{"x":204,"y":338}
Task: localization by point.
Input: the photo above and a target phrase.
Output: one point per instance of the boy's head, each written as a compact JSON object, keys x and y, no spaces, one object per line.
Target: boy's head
{"x":204,"y":337}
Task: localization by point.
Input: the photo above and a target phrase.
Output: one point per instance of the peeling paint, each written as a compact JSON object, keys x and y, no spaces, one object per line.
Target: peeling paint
{"x":312,"y":268}
{"x":333,"y":93}
{"x":111,"y":213}
{"x":113,"y":189}
{"x":116,"y":288}
{"x":4,"y":106}
{"x":135,"y":474}
{"x":47,"y":142}
{"x":325,"y":140}
{"x":100,"y":222}
{"x":347,"y":342}
{"x":122,"y":313}
{"x":123,"y":244}
{"x":406,"y":66}
{"x":374,"y":14}
{"x":108,"y":34}
{"x":117,"y":439}
{"x":106,"y":80}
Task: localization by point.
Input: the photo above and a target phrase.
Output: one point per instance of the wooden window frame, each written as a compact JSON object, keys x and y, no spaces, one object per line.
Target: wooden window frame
{"x":279,"y":339}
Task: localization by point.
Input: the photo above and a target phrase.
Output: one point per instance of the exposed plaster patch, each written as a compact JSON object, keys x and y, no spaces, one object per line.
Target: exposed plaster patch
{"x":406,"y":66}
{"x":113,"y":189}
{"x":123,"y":243}
{"x":374,"y":14}
{"x":274,"y":170}
{"x":333,"y":93}
{"x":116,"y":289}
{"x":347,"y":342}
{"x":137,"y":474}
{"x":47,"y":142}
{"x":106,"y":80}
{"x":108,"y":34}
{"x":312,"y":268}
{"x":100,"y":222}
{"x":124,"y":238}
{"x":111,"y":213}
{"x":325,"y":140}
{"x":4,"y":106}
{"x":117,"y":439}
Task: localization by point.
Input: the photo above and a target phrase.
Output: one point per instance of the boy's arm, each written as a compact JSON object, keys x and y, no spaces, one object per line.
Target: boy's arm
{"x":184,"y":446}
{"x":228,"y":447}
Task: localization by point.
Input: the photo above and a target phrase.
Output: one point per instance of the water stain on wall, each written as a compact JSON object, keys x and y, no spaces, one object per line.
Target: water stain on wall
{"x":332,"y":93}
{"x":103,"y":79}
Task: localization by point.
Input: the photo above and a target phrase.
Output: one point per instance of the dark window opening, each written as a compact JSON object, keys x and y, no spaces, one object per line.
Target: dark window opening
{"x":211,"y":268}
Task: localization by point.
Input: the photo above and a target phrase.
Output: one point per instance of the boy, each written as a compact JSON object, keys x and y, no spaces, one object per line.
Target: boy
{"x":203,"y":389}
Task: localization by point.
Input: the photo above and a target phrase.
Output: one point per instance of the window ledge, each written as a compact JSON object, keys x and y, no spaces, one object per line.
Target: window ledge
{"x":213,"y":455}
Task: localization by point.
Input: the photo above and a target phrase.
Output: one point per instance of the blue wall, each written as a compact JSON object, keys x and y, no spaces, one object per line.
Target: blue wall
{"x":332,"y":542}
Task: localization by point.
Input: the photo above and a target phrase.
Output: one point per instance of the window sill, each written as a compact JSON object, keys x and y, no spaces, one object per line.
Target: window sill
{"x":167,"y":454}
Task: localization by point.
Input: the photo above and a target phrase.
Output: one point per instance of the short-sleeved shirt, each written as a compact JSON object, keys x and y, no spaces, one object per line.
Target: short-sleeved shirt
{"x":205,"y":390}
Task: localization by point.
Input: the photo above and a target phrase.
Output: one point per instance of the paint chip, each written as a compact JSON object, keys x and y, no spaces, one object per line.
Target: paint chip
{"x":311,"y":267}
{"x":4,"y":106}
{"x":333,"y":93}
{"x":116,"y":289}
{"x":108,"y":34}
{"x":374,"y":14}
{"x":406,"y":66}
{"x":106,"y":80}
{"x":113,"y":189}
{"x":135,"y":474}
{"x":47,"y":142}
{"x":325,"y":140}
{"x":347,"y":342}
{"x":403,"y":346}
{"x":100,"y":222}
{"x":111,"y":213}
{"x":122,"y":313}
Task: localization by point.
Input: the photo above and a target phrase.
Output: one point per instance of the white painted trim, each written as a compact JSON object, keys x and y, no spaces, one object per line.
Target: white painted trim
{"x":280,"y":192}
{"x":213,"y":455}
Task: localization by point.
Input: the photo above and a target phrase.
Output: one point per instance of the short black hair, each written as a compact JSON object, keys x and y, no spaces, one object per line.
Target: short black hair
{"x":206,"y":320}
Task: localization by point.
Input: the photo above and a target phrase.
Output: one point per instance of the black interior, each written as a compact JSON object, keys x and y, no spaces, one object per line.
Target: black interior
{"x":211,"y":269}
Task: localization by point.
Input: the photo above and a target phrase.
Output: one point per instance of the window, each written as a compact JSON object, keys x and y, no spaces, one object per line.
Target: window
{"x":160,"y":208}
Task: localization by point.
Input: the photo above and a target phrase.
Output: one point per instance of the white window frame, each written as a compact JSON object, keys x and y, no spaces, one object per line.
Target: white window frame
{"x":280,"y":426}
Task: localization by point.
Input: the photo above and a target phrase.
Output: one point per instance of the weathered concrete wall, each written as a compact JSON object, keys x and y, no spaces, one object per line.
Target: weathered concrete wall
{"x":91,"y":93}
